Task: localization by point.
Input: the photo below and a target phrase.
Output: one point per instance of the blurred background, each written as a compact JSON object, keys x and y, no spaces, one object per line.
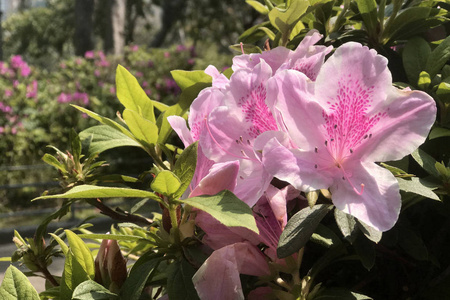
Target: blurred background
{"x":54,"y":53}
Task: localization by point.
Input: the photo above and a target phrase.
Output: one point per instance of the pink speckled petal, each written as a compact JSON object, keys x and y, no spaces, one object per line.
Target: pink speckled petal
{"x":218,"y":80}
{"x":222,"y":176}
{"x":179,"y":126}
{"x":378,"y":205}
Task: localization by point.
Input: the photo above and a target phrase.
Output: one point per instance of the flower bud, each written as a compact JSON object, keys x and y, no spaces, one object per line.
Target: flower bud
{"x":110,"y":266}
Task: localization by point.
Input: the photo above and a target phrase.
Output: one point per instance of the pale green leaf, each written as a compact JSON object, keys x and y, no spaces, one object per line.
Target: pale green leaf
{"x":368,"y":10}
{"x":16,"y":285}
{"x":132,"y":96}
{"x":166,"y":183}
{"x":105,"y":137}
{"x":438,"y":132}
{"x":226,"y":208}
{"x":91,"y":290}
{"x":258,"y":6}
{"x":64,"y":247}
{"x":117,"y":237}
{"x":145,"y":131}
{"x":185,"y":79}
{"x":426,"y":161}
{"x":93,"y":191}
{"x":269,"y":33}
{"x":81,"y":253}
{"x":285,"y":20}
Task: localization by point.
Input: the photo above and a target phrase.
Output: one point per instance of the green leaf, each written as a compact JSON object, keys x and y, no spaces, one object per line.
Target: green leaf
{"x":325,"y":236}
{"x":93,"y":191}
{"x":269,"y":33}
{"x":91,"y":290}
{"x":417,"y":186}
{"x":253,"y":34}
{"x":145,"y":131}
{"x":258,"y":6}
{"x":438,"y":58}
{"x":415,"y":55}
{"x":300,"y":228}
{"x":347,"y":225}
{"x":185,"y":167}
{"x":132,"y":96}
{"x":226,"y":208}
{"x":285,"y":20}
{"x":366,"y":251}
{"x":370,"y":232}
{"x":312,"y":197}
{"x":166,"y":183}
{"x":105,"y":121}
{"x":248,"y":48}
{"x":117,"y":237}
{"x":16,"y":285}
{"x":368,"y":10}
{"x":412,"y":244}
{"x":54,"y":162}
{"x":105,"y":137}
{"x":438,"y":132}
{"x":179,"y":281}
{"x":140,"y":273}
{"x":426,"y":161}
{"x":443,"y":91}
{"x":186,"y":79}
{"x":75,"y":145}
{"x":64,"y":247}
{"x":81,"y":252}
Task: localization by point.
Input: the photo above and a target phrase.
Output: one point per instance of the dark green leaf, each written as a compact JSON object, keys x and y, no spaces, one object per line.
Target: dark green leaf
{"x":438,"y":58}
{"x":366,"y":251}
{"x":438,"y":132}
{"x":325,"y":236}
{"x":412,"y":244}
{"x":346,"y":224}
{"x":16,"y":285}
{"x":179,"y":281}
{"x":368,"y":10}
{"x":142,"y":271}
{"x":418,"y":186}
{"x":415,"y":55}
{"x":226,"y":208}
{"x":370,"y":232}
{"x":300,"y":228}
{"x":426,"y":161}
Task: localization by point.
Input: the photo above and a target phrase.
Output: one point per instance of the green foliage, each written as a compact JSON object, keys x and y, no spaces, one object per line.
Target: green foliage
{"x":15,"y":285}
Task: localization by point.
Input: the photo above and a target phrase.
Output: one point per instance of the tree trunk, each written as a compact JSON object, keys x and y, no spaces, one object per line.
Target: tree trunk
{"x":1,"y":32}
{"x":83,"y":37}
{"x":114,"y":38}
{"x":172,"y":11}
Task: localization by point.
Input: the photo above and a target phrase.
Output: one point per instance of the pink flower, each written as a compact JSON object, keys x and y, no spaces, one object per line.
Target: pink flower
{"x":191,"y":61}
{"x":97,"y":73}
{"x":166,"y":54}
{"x":341,"y":125}
{"x":15,"y":83}
{"x":8,"y":93}
{"x":139,"y":74}
{"x":181,"y":48}
{"x":64,"y":98}
{"x":134,"y":48}
{"x":89,"y":54}
{"x":32,"y":90}
{"x":112,"y":90}
{"x":17,"y":62}
{"x":25,"y":70}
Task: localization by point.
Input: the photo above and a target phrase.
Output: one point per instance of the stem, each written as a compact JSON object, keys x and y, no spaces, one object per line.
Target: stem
{"x":49,"y":276}
{"x":124,"y":217}
{"x":174,"y":221}
{"x":296,"y":274}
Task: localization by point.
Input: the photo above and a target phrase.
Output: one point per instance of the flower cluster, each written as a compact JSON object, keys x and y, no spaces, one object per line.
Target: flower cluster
{"x":311,"y":123}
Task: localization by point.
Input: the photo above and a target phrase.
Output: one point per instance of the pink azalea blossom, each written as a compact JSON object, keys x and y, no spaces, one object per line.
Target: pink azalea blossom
{"x":341,"y":125}
{"x":32,"y":90}
{"x":89,"y":54}
{"x":8,"y":93}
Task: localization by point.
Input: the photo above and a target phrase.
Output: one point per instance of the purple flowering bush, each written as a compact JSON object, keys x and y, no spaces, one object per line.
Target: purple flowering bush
{"x":315,"y":169}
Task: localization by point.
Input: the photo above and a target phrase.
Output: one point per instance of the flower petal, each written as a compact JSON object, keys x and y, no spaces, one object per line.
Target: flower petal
{"x":179,"y":126}
{"x":380,"y":202}
{"x":408,"y":119}
{"x":218,"y":277}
